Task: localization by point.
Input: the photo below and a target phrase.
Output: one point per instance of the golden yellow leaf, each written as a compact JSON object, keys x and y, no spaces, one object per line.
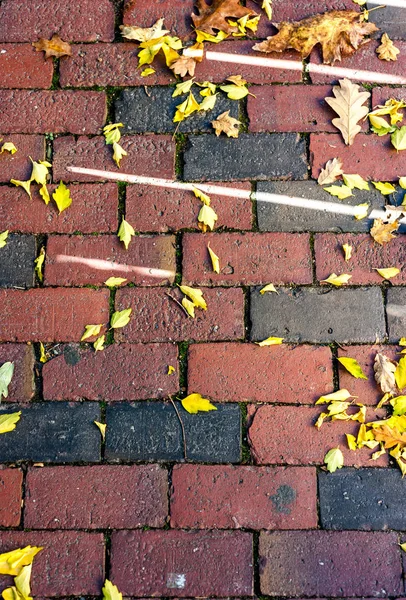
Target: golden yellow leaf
{"x":98,"y":345}
{"x":235,"y":92}
{"x":53,"y":47}
{"x":26,"y":185}
{"x":8,"y":421}
{"x":215,"y":17}
{"x":62,"y":197}
{"x":3,"y":238}
{"x":402,"y":182}
{"x":335,"y":408}
{"x":110,"y":591}
{"x":102,"y":428}
{"x":195,"y":294}
{"x":40,"y":171}
{"x":11,"y":563}
{"x":402,"y":341}
{"x":349,"y":105}
{"x":12,"y":593}
{"x":125,"y":233}
{"x":382,"y":232}
{"x":347,"y":249}
{"x":341,"y":191}
{"x":120,"y":318}
{"x":114,"y":281}
{"x":208,"y":88}
{"x":202,"y":196}
{"x":189,"y":307}
{"x":400,"y":373}
{"x":352,"y":367}
{"x":379,"y":123}
{"x":388,"y":273}
{"x":183,"y":88}
{"x":215,"y":261}
{"x":391,"y":108}
{"x":43,"y":357}
{"x":398,"y":139}
{"x":351,"y":441}
{"x":385,"y":373}
{"x":361,"y":211}
{"x":268,"y":288}
{"x":208,"y":103}
{"x":271,"y":341}
{"x":148,"y":53}
{"x":147,"y":71}
{"x":39,"y":263}
{"x":355,"y":181}
{"x":22,"y":583}
{"x":322,"y":416}
{"x":340,"y":395}
{"x":267,"y":7}
{"x":399,"y":405}
{"x":403,"y":546}
{"x":6,"y":375}
{"x":226,"y":124}
{"x":334,"y":460}
{"x":195,"y":403}
{"x":44,"y":193}
{"x":202,"y":36}
{"x":112,"y":133}
{"x":171,"y":370}
{"x":337,"y":280}
{"x":384,"y":188}
{"x":186,"y":108}
{"x":387,"y":50}
{"x":118,"y":153}
{"x":207,"y":218}
{"x":90,"y":331}
{"x":8,"y":147}
{"x":360,"y":415}
{"x":144,"y":34}
{"x":331,"y":172}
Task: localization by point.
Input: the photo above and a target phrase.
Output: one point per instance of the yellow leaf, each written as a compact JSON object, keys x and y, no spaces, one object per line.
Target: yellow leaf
{"x":402,"y":182}
{"x":402,"y":466}
{"x":387,"y":50}
{"x":208,"y":103}
{"x":43,"y":357}
{"x":399,"y":405}
{"x":8,"y":423}
{"x":11,"y":563}
{"x":195,"y":403}
{"x":147,"y":55}
{"x":360,"y":2}
{"x":110,"y":591}
{"x":102,"y":427}
{"x":208,"y":88}
{"x":125,"y":233}
{"x":271,"y":341}
{"x":337,"y":280}
{"x":62,"y":197}
{"x":383,"y":232}
{"x":349,"y":105}
{"x":403,"y":546}
{"x":341,"y":191}
{"x":120,"y":318}
{"x":171,"y":56}
{"x":331,"y":172}
{"x":226,"y":124}
{"x":268,"y":288}
{"x":3,"y":238}
{"x":347,"y":251}
{"x":384,"y":400}
{"x":360,"y":415}
{"x":207,"y":218}
{"x":361,"y":211}
{"x":322,"y":416}
{"x":183,"y":88}
{"x":334,"y":460}
{"x":400,"y":373}
{"x":384,"y":188}
{"x":378,"y":122}
{"x":118,"y":153}
{"x":186,"y":108}
{"x":352,"y":367}
{"x":171,"y":370}
{"x":235,"y":92}
{"x":39,"y":263}
{"x":144,"y":34}
{"x":202,"y":36}
{"x":351,"y":441}
{"x":214,"y":260}
{"x":355,"y":181}
{"x":6,"y":375}
{"x":12,"y":593}
{"x":189,"y":307}
{"x":388,"y":273}
{"x":98,"y":345}
{"x":202,"y":196}
{"x":43,"y":190}
{"x":398,"y":139}
{"x":114,"y":281}
{"x":40,"y":171}
{"x":335,"y":408}
{"x":195,"y":294}
{"x":112,"y":133}
{"x":90,"y":331}
{"x":26,"y":185}
{"x":147,"y":71}
{"x":22,"y":582}
{"x":402,"y":341}
{"x":340,"y":395}
{"x":8,"y":147}
{"x":378,"y":454}
{"x":267,"y":7}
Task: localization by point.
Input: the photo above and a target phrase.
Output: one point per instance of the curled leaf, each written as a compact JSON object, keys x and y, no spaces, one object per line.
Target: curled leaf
{"x":352,"y":367}
{"x":196,"y":296}
{"x":347,"y":249}
{"x":271,"y":341}
{"x":337,"y":280}
{"x":340,"y":396}
{"x":8,"y":147}
{"x":388,"y":273}
{"x":382,"y":232}
{"x":91,"y":331}
{"x":189,"y":306}
{"x":102,"y":428}
{"x":268,"y":288}
{"x":118,"y":153}
{"x":26,"y":185}
{"x":214,"y":260}
{"x":39,"y":263}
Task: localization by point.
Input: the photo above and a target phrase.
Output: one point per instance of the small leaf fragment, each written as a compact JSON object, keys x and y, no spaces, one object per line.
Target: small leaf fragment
{"x":331,"y":172}
{"x":102,"y":428}
{"x":202,"y":196}
{"x":118,"y":153}
{"x":351,"y":441}
{"x":90,"y":331}
{"x":8,"y":423}
{"x":189,"y":307}
{"x":388,"y":273}
{"x":147,"y":71}
{"x":110,"y":591}
{"x":125,"y":233}
{"x":196,"y":296}
{"x":268,"y":288}
{"x":340,"y":191}
{"x":387,"y":49}
{"x":337,"y":280}
{"x":334,"y":460}
{"x":352,"y":367}
{"x":144,"y":34}
{"x":384,"y":188}
{"x":26,"y":185}
{"x":53,"y":47}
{"x":6,"y":375}
{"x":114,"y":281}
{"x":400,"y":373}
{"x":402,"y":182}
{"x":361,"y":211}
{"x":215,"y":261}
{"x":271,"y":341}
{"x":195,"y":403}
{"x":320,"y":420}
{"x":398,"y":139}
{"x":267,"y":7}
{"x":399,"y":405}
{"x":42,"y":354}
{"x":171,"y":370}
{"x":120,"y":318}
{"x":98,"y":345}
{"x":355,"y":181}
{"x":347,"y":249}
{"x":62,"y":197}
{"x":207,"y":218}
{"x":340,"y":395}
{"x":8,"y":147}
{"x":3,"y":238}
{"x":39,"y":263}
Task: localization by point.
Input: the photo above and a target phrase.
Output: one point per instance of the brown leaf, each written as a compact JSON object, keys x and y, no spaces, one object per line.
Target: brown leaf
{"x":348,"y":103}
{"x":387,"y":50}
{"x":331,"y":172}
{"x":213,"y":18}
{"x":226,"y":124}
{"x":183,"y":66}
{"x":385,"y":373}
{"x":382,"y":232}
{"x":53,"y":47}
{"x":340,"y":33}
{"x":391,"y":437}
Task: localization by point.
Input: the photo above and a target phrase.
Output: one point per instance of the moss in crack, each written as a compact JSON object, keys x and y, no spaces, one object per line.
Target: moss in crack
{"x":55,"y":84}
{"x":112,"y":94}
{"x":112,"y":304}
{"x":243,"y":116}
{"x":245,"y":449}
{"x":180,"y":140}
{"x":183,"y":355}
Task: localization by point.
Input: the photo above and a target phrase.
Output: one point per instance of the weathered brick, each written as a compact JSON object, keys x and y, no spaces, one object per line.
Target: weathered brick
{"x":182,"y":564}
{"x":330,"y":563}
{"x":247,"y":258}
{"x":21,"y":388}
{"x":370,"y":156}
{"x":152,"y":110}
{"x":231,"y":497}
{"x":11,"y":481}
{"x":319,"y":315}
{"x":280,"y":374}
{"x":160,"y":319}
{"x":373,"y":499}
{"x":151,"y":431}
{"x":93,"y":208}
{"x":368,"y":392}
{"x":363,"y":66}
{"x":70,"y":564}
{"x":48,"y":315}
{"x":18,"y":165}
{"x":170,"y":210}
{"x":90,"y":260}
{"x":17,"y":261}
{"x":276,"y":214}
{"x":101,"y":496}
{"x":381,"y":94}
{"x":390,"y":19}
{"x":52,"y":432}
{"x":396,"y":313}
{"x":251,"y":156}
{"x":367,"y":256}
{"x":109,"y":65}
{"x":22,"y":67}
{"x":84,"y":21}
{"x":143,"y":14}
{"x":57,"y":111}
{"x":287,"y":435}
{"x":120,"y":372}
{"x":146,"y":155}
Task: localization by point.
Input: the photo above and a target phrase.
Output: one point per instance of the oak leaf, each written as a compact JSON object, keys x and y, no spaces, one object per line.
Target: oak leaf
{"x":53,"y":47}
{"x":331,"y":172}
{"x":382,"y":232}
{"x":349,"y":105}
{"x":385,"y":373}
{"x":214,"y":17}
{"x":226,"y":124}
{"x":387,"y":50}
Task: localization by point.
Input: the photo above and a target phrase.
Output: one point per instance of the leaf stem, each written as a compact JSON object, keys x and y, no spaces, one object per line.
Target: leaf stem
{"x":182,"y":426}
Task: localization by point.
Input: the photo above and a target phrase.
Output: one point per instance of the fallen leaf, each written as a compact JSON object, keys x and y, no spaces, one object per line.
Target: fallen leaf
{"x":195,"y":403}
{"x":331,"y":172}
{"x":340,"y":33}
{"x":208,"y":88}
{"x":391,"y":108}
{"x":114,"y":281}
{"x":202,"y":36}
{"x":53,"y":47}
{"x":120,"y":318}
{"x":215,"y":261}
{"x":118,"y":153}
{"x":390,"y":437}
{"x":387,"y":49}
{"x":267,"y":7}
{"x":403,"y":546}
{"x":40,"y":171}
{"x":341,"y":191}
{"x":235,"y":92}
{"x":112,"y":133}
{"x":340,"y":395}
{"x":22,"y":584}
{"x":196,"y":51}
{"x":189,"y":307}
{"x":271,"y":341}
{"x":8,"y":147}
{"x":3,"y":238}
{"x":389,"y":272}
{"x":351,"y":441}
{"x":39,"y":263}
{"x":268,"y":288}
{"x":402,"y":341}
{"x":98,"y":345}
{"x":42,"y":354}
{"x":352,"y":367}
{"x":110,"y":591}
{"x":206,"y":218}
{"x":355,"y":181}
{"x":384,"y":188}
{"x":12,"y":563}
{"x":62,"y":197}
{"x":125,"y":233}
{"x":147,"y":71}
{"x":226,"y":124}
{"x":347,"y":249}
{"x":382,"y":232}
{"x":43,"y":190}
{"x":402,"y":182}
{"x":102,"y":427}
{"x":320,"y":420}
{"x":398,"y":139}
{"x":379,"y":453}
{"x":402,"y":466}
{"x":6,"y":375}
{"x":202,"y":196}
{"x":214,"y":17}
{"x":8,"y":423}
{"x":349,"y":105}
{"x":385,"y":373}
{"x":183,"y":88}
{"x":400,"y":373}
{"x":195,"y":294}
{"x":208,"y":103}
{"x":399,"y":405}
{"x":361,"y":211}
{"x":337,"y":280}
{"x":26,"y":185}
{"x":186,"y":108}
{"x":334,"y":460}
{"x":90,"y":331}
{"x":171,"y":370}
{"x":184,"y":65}
{"x":144,"y":34}
{"x":335,"y":408}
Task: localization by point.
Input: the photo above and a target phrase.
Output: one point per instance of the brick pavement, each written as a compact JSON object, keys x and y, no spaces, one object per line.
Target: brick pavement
{"x":244,"y":508}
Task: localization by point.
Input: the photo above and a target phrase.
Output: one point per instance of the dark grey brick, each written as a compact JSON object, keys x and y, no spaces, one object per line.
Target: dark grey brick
{"x":142,"y":113}
{"x":363,"y":499}
{"x":17,"y":261}
{"x":151,"y":431}
{"x":250,"y":156}
{"x":282,"y":217}
{"x":57,"y":432}
{"x":396,"y":313}
{"x":319,"y":315}
{"x":391,"y":20}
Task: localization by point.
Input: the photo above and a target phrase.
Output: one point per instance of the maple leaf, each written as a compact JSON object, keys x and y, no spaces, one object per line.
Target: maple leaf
{"x":390,"y":437}
{"x":195,"y":403}
{"x":385,"y":373}
{"x":62,"y":197}
{"x":226,"y":124}
{"x":387,"y":50}
{"x":6,"y":375}
{"x":53,"y":47}
{"x":348,"y":104}
{"x":110,"y":591}
{"x":340,"y":33}
{"x":334,"y":460}
{"x":183,"y":66}
{"x":144,"y":34}
{"x":382,"y":232}
{"x":213,"y":18}
{"x":331,"y":172}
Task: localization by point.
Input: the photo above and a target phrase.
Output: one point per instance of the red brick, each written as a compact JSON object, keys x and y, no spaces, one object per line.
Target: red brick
{"x":102,"y":496}
{"x":21,"y":388}
{"x":160,"y":319}
{"x":94,"y":208}
{"x":182,"y":564}
{"x":109,"y":65}
{"x":237,"y":372}
{"x":121,"y":372}
{"x":84,"y":21}
{"x":226,"y":59}
{"x":147,"y":155}
{"x":143,"y":13}
{"x":370,"y":156}
{"x":247,"y":258}
{"x":367,"y":255}
{"x":287,"y":435}
{"x":18,"y":165}
{"x":381,"y":94}
{"x":11,"y":481}
{"x":229,"y":497}
{"x":70,"y":564}
{"x":57,"y":112}
{"x":169,"y":210}
{"x":368,"y":392}
{"x":22,"y":67}
{"x":330,"y":563}
{"x":51,"y":315}
{"x":90,"y":260}
{"x":363,"y":66}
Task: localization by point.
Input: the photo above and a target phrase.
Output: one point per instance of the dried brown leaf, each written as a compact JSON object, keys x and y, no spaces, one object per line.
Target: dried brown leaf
{"x":391,"y":437}
{"x":387,"y":50}
{"x":53,"y":47}
{"x":349,"y":105}
{"x":184,"y":66}
{"x":385,"y":373}
{"x":226,"y":124}
{"x":331,"y":172}
{"x":382,"y":232}
{"x":213,"y":18}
